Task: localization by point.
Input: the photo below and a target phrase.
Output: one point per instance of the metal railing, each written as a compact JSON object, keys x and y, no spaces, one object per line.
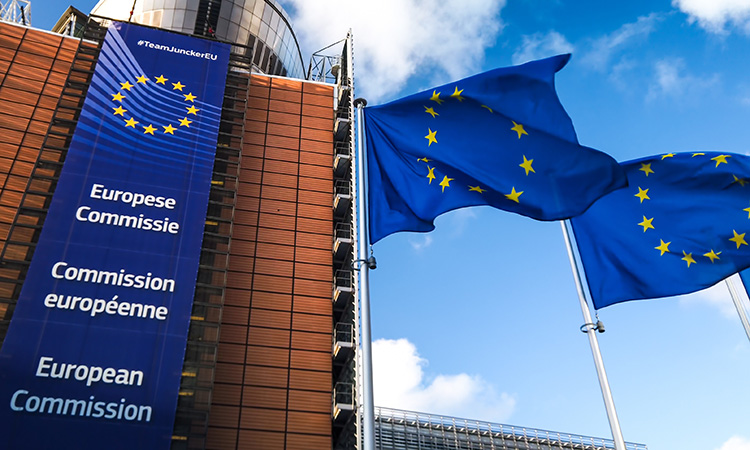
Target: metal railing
{"x":406,"y":430}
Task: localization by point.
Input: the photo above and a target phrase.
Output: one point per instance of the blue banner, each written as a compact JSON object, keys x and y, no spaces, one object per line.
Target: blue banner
{"x":94,"y":353}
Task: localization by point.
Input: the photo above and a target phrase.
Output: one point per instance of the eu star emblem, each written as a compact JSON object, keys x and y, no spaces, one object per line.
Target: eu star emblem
{"x":681,"y":225}
{"x":500,"y":138}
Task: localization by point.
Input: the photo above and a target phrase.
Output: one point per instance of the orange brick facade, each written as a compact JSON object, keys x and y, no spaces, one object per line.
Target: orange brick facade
{"x":273,"y":380}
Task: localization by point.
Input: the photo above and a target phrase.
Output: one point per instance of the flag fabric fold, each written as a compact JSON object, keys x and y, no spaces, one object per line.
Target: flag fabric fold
{"x":500,"y":138}
{"x":680,"y":226}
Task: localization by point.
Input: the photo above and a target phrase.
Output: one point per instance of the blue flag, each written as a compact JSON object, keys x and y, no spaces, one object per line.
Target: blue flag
{"x":500,"y":138}
{"x":680,"y":226}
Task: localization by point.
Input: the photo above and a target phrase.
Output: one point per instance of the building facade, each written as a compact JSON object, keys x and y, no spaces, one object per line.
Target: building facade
{"x":259,"y":368}
{"x":261,"y":27}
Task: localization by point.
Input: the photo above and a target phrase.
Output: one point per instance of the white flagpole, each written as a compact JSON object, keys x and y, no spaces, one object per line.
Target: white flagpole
{"x":738,"y":303}
{"x":590,"y":329}
{"x":368,"y":403}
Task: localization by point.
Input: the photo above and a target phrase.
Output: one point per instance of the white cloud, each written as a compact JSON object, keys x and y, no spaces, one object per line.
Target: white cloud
{"x":421,"y":243}
{"x":735,"y":443}
{"x":606,"y":47}
{"x":671,"y":81}
{"x":717,"y":296}
{"x":540,"y":45}
{"x":400,"y":382}
{"x":715,"y":15}
{"x":395,"y":39}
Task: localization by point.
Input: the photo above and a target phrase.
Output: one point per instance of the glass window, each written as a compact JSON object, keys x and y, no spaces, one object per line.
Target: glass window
{"x":258,"y":8}
{"x":236,"y":12}
{"x":268,"y":13}
{"x":266,"y":57}
{"x":255,"y":25}
{"x":166,"y":18}
{"x":274,"y":20}
{"x":258,"y":53}
{"x":178,"y":21}
{"x":189,"y":21}
{"x":250,"y":44}
{"x":247,"y":17}
{"x":232,"y":32}
{"x":263,"y":35}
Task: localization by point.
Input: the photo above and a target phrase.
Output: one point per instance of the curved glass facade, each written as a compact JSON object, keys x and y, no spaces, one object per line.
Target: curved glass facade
{"x":261,"y":25}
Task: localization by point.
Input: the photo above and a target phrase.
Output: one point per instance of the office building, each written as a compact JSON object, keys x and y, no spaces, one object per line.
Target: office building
{"x":270,"y":355}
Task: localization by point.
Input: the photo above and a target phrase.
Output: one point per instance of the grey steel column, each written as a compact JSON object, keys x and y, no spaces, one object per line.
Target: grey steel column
{"x":368,"y":403}
{"x":609,"y":403}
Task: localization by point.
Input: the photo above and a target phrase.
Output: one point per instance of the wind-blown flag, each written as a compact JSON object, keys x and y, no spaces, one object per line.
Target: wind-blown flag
{"x":680,"y":226}
{"x":500,"y":138}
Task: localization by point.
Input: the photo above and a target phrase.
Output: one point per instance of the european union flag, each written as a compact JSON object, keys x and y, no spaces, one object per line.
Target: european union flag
{"x":500,"y":138}
{"x":680,"y":226}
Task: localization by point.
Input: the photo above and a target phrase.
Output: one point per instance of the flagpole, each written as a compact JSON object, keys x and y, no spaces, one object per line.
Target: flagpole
{"x":590,"y":329}
{"x":738,"y":304}
{"x":368,"y":403}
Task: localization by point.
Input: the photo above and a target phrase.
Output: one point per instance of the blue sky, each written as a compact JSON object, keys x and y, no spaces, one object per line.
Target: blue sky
{"x":480,"y":318}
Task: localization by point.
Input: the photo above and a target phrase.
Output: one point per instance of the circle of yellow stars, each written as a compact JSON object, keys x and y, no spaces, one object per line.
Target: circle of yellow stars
{"x":431,"y":137}
{"x":130,"y":121}
{"x":647,"y":223}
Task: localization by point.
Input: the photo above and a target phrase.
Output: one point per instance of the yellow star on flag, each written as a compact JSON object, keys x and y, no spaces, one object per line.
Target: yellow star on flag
{"x":126,"y":85}
{"x":518,"y":128}
{"x":430,"y":111}
{"x":488,"y":108}
{"x":149,"y":130}
{"x":698,"y":154}
{"x":120,"y":111}
{"x":169,"y":129}
{"x":431,"y":137}
{"x":514,"y":195}
{"x":663,"y":247}
{"x":713,"y":256}
{"x":161,"y":80}
{"x":741,"y":181}
{"x":118,"y":97}
{"x":424,"y":160}
{"x":526,"y":164}
{"x":668,"y":155}
{"x":738,"y":239}
{"x":189,"y":97}
{"x":646,"y":168}
{"x":431,"y":174}
{"x":436,"y":98}
{"x":193,"y":110}
{"x":178,"y":86}
{"x":446,"y":182}
{"x":476,"y":189}
{"x":642,"y":194}
{"x":142,"y":79}
{"x":131,"y":122}
{"x":646,"y":224}
{"x":687,"y":257}
{"x":721,"y":159}
{"x":185,"y":122}
{"x":457,"y":94}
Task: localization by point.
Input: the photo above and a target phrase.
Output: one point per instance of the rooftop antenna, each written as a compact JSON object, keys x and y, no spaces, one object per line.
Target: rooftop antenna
{"x":16,"y":11}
